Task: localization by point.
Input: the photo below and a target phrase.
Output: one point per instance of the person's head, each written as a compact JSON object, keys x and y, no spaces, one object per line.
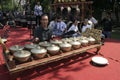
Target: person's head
{"x":28,"y":2}
{"x":44,"y":20}
{"x":55,"y":18}
{"x":59,"y":18}
{"x":85,"y":21}
{"x":38,"y":3}
{"x":75,"y":21}
{"x":89,"y":16}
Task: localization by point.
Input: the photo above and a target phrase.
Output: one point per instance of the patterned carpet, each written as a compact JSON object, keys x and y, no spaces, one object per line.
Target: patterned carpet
{"x":74,"y":68}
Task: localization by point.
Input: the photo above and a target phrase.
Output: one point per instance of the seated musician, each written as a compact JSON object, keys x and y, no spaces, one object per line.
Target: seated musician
{"x":59,"y":27}
{"x":53,"y":23}
{"x":86,"y":24}
{"x":93,"y":20}
{"x":42,"y":33}
{"x":73,"y":30}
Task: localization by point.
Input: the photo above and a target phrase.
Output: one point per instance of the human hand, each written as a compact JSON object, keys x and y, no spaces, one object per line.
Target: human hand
{"x":36,"y":40}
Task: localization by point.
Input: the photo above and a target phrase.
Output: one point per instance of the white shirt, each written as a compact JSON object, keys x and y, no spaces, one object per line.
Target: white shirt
{"x":38,"y":10}
{"x":94,"y":21}
{"x":85,"y":27}
{"x":73,"y":28}
{"x":52,"y":25}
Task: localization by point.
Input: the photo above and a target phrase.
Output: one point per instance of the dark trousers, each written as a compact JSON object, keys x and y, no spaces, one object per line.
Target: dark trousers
{"x":107,"y":34}
{"x":38,"y":20}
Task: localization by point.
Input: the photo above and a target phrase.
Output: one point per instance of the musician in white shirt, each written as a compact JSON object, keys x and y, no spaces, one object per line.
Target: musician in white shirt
{"x":93,"y":20}
{"x":52,"y":23}
{"x":86,"y":25}
{"x":73,"y":30}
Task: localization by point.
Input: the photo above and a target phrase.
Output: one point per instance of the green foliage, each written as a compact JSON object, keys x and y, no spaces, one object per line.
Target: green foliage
{"x":32,"y":3}
{"x":6,"y":5}
{"x":9,"y":5}
{"x":46,"y":5}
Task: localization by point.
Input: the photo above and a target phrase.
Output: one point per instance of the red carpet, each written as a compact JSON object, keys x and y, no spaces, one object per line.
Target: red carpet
{"x":74,"y":68}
